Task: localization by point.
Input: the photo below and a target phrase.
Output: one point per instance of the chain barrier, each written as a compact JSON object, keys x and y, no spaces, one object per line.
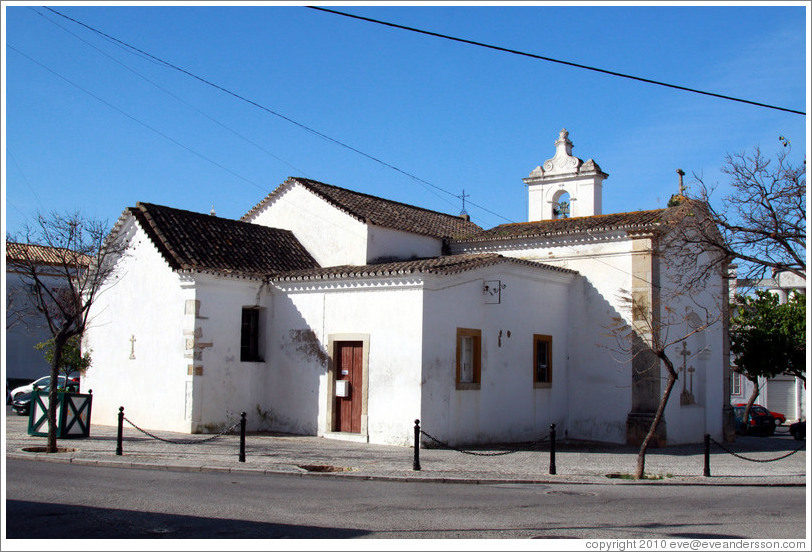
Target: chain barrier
{"x":183,"y":441}
{"x":473,"y":453}
{"x":721,"y":446}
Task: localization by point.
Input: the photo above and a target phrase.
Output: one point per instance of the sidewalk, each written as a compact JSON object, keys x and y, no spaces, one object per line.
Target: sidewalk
{"x":576,"y":462}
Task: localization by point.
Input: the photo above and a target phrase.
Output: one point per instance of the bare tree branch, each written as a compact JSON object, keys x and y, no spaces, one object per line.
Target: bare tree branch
{"x":64,"y":259}
{"x":762,"y":222}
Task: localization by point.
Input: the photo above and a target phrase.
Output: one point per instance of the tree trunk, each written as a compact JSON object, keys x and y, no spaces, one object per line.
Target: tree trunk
{"x":59,"y":344}
{"x":669,"y":385}
{"x":750,"y":401}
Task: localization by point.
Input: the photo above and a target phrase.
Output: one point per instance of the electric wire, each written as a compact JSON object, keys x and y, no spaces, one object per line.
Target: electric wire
{"x":202,"y":156}
{"x":145,"y":125}
{"x":169,"y":93}
{"x":552,"y":60}
{"x":167,"y":64}
{"x":274,"y":113}
{"x":25,"y":179}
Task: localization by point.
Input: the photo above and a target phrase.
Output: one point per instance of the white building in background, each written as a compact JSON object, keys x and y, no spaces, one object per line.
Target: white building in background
{"x":784,"y":394}
{"x":330,"y":312}
{"x":25,"y":325}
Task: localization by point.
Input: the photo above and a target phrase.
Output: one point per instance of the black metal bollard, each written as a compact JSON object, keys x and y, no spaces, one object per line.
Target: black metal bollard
{"x":119,"y":448}
{"x":552,"y":449}
{"x":242,"y":437}
{"x":706,"y":472}
{"x":416,"y":464}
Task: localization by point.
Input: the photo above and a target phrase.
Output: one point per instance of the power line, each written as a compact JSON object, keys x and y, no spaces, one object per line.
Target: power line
{"x":27,"y":183}
{"x":552,"y":60}
{"x":145,"y":125}
{"x":272,"y":112}
{"x":169,"y":93}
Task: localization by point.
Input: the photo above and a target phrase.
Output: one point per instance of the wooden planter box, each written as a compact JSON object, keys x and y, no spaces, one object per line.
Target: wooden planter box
{"x":72,"y":414}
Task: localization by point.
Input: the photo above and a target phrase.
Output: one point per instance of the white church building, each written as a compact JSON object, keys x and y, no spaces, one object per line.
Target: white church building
{"x":328,"y":312}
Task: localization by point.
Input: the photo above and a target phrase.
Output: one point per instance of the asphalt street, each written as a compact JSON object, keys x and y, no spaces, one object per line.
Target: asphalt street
{"x":58,"y":500}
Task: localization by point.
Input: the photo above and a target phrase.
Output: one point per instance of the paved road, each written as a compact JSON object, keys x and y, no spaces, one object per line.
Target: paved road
{"x":77,"y":501}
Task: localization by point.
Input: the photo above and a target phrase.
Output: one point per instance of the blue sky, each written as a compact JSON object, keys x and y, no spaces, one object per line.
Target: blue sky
{"x":456,"y":116}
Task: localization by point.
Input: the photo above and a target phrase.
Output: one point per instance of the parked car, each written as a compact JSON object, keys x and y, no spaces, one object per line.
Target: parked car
{"x":760,"y":421}
{"x":798,"y":430}
{"x":22,"y":404}
{"x":779,"y":418}
{"x":44,"y":383}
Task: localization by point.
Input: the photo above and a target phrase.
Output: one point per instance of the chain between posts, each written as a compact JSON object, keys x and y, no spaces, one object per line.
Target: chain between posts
{"x":473,"y":453}
{"x":721,"y":446}
{"x":182,"y":441}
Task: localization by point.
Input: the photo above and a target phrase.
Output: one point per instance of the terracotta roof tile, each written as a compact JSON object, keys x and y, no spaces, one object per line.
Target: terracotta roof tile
{"x":198,"y":242}
{"x":382,"y":212}
{"x":42,"y":254}
{"x":446,"y":265}
{"x":597,"y":223}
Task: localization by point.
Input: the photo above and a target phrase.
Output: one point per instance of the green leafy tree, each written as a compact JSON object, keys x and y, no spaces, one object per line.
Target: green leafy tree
{"x":768,"y":339}
{"x":72,"y":359}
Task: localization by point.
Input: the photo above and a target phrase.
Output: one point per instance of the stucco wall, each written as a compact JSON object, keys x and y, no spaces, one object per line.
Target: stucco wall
{"x":506,"y":407}
{"x":224,"y":385}
{"x":388,"y":313}
{"x":542,"y":197}
{"x":332,"y":237}
{"x":599,"y":368}
{"x":691,"y":309}
{"x":143,"y":300}
{"x":385,"y":243}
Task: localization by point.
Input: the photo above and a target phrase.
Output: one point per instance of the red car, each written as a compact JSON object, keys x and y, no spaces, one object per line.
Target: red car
{"x":779,"y":418}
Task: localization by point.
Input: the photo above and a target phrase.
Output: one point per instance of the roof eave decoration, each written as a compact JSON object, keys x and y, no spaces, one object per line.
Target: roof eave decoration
{"x":440,"y":266}
{"x":570,"y":226}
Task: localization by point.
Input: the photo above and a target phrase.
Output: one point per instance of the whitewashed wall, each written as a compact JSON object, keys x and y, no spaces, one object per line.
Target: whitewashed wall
{"x":144,"y":299}
{"x":598,"y":367}
{"x":305,"y":315}
{"x":385,"y":243}
{"x":332,"y":237}
{"x":226,"y":385}
{"x":506,"y":407}
{"x":598,"y":364}
{"x":586,"y":190}
{"x":688,"y":423}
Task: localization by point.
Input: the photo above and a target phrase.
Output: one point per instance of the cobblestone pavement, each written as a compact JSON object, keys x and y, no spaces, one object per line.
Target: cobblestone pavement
{"x":575,"y":462}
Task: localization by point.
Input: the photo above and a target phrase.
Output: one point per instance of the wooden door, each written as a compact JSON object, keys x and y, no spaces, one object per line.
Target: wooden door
{"x":349,"y":360}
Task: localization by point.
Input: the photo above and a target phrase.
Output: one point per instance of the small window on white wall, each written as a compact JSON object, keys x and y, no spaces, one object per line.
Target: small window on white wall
{"x":249,"y":335}
{"x":469,"y":354}
{"x":542,"y":360}
{"x":735,"y":383}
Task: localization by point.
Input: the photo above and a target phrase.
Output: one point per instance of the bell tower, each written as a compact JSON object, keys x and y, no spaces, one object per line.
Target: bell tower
{"x":564,"y":186}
